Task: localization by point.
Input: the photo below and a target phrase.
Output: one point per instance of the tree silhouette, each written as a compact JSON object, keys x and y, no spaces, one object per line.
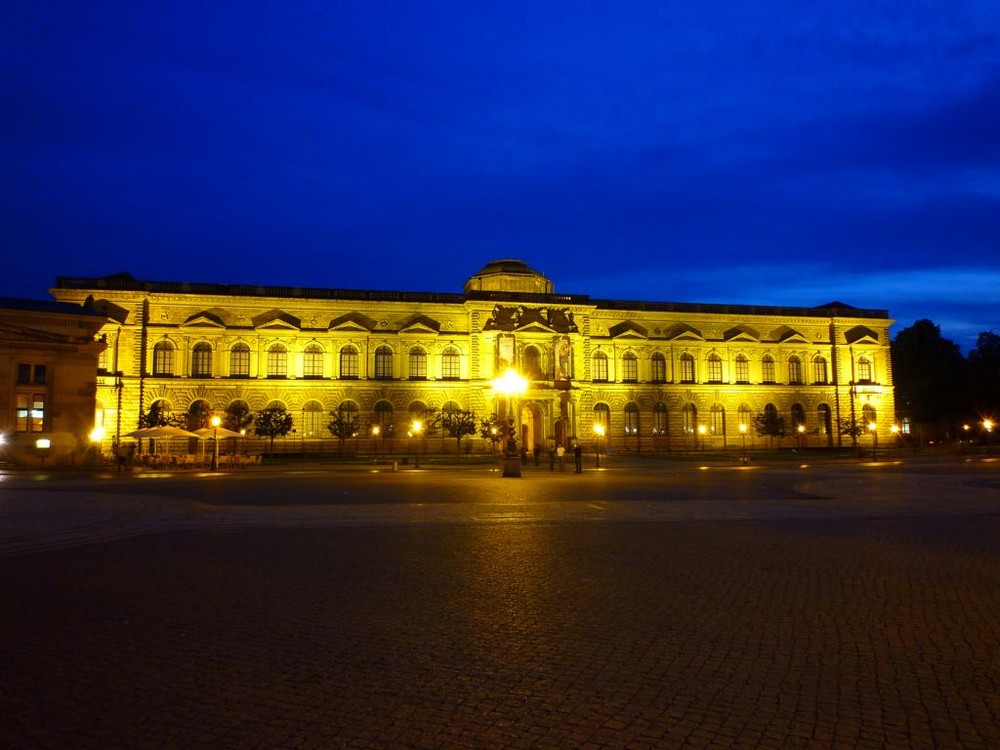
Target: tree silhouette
{"x":272,"y":423}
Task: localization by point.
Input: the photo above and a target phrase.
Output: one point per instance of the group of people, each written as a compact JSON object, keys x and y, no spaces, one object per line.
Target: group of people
{"x":558,"y":454}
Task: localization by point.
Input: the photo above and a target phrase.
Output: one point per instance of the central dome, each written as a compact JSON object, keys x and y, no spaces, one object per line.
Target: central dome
{"x":508,"y":275}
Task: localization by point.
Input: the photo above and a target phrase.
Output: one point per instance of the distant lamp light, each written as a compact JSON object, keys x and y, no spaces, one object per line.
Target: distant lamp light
{"x":96,"y":435}
{"x":43,"y":444}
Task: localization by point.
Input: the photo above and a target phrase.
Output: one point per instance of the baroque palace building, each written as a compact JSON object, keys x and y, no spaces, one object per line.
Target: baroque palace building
{"x":660,"y":376}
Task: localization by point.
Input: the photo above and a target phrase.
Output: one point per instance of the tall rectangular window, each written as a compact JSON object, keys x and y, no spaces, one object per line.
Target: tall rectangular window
{"x":630,"y":368}
{"x":767,"y":370}
{"x":30,"y":415}
{"x":658,"y":369}
{"x":239,"y":361}
{"x":714,"y":369}
{"x":418,"y":364}
{"x":742,"y":369}
{"x":348,"y":363}
{"x":687,"y":368}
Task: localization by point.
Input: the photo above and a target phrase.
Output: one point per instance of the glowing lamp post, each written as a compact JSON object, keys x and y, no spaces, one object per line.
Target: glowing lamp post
{"x":702,"y":431}
{"x":43,"y":446}
{"x":216,"y":421}
{"x":375,"y":433}
{"x":743,"y":436}
{"x":988,"y":426}
{"x":510,"y":385}
{"x":873,"y":429}
{"x":599,"y":432}
{"x":800,"y":433}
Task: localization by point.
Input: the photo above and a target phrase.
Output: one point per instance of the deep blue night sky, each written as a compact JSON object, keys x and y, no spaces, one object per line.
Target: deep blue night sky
{"x":755,"y":152}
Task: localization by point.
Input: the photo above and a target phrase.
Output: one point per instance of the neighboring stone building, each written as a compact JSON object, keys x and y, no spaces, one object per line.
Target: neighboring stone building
{"x":48,"y":361}
{"x":661,"y":376}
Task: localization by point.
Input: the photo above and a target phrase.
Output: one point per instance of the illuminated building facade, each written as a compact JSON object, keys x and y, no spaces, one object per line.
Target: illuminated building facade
{"x":658,"y":376}
{"x":48,"y":354}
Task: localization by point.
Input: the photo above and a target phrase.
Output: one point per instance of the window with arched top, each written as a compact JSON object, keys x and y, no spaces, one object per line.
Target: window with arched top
{"x":689,"y":418}
{"x":824,"y":419}
{"x":864,"y":370}
{"x":819,"y":370}
{"x":383,"y":363}
{"x":313,"y":420}
{"x":794,"y":370}
{"x":717,"y":420}
{"x":687,"y":368}
{"x":418,"y":364}
{"x":163,"y":359}
{"x":658,"y":368}
{"x":312,"y":362}
{"x":201,"y":361}
{"x":630,"y":368}
{"x":602,"y":415}
{"x":239,"y":361}
{"x":349,"y":363}
{"x":277,"y":361}
{"x":383,"y":418}
{"x":660,"y":418}
{"x":631,"y":419}
{"x":798,"y":416}
{"x":742,"y":369}
{"x":600,"y":367}
{"x":451,"y":364}
{"x":417,"y":410}
{"x":745,"y":416}
{"x":767,"y":369}
{"x":714,"y":368}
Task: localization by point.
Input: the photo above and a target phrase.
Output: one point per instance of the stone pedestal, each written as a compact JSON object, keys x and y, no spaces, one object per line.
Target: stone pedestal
{"x":511,"y":466}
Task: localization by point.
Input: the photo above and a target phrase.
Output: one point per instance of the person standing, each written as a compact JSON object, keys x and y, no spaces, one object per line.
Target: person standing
{"x":561,"y":455}
{"x":578,"y":455}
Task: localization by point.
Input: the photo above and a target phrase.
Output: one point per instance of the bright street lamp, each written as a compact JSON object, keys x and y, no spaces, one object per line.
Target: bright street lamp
{"x":375,"y":432}
{"x":702,"y":430}
{"x":599,"y":432}
{"x":510,"y":384}
{"x":743,"y":435}
{"x":216,"y":421}
{"x":988,"y":426}
{"x":873,"y":429}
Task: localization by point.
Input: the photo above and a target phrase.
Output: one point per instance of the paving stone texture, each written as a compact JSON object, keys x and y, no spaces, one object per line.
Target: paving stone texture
{"x":518,"y":620}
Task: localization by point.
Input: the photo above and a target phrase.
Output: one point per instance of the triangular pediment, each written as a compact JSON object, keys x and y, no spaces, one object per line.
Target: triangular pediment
{"x":278,"y":319}
{"x":628,"y":329}
{"x":741,"y":333}
{"x":419,"y":324}
{"x":683,"y":332}
{"x":787,"y":334}
{"x":861,"y":335}
{"x":535,"y":327}
{"x":205,"y":319}
{"x":352,"y":321}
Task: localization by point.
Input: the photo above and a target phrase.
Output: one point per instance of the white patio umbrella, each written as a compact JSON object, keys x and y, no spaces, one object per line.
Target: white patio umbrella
{"x":163,"y":431}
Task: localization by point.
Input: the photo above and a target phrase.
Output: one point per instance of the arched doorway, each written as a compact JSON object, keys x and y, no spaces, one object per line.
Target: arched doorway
{"x":532,"y":427}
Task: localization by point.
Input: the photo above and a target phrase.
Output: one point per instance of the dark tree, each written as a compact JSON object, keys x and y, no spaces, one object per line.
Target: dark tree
{"x":929,"y":374}
{"x":343,"y":424}
{"x":237,"y":416}
{"x":769,"y":423}
{"x":159,"y":416}
{"x":272,"y":423}
{"x":855,"y":428}
{"x":493,"y":429}
{"x":197,"y":416}
{"x":984,"y":376}
{"x":458,"y":424}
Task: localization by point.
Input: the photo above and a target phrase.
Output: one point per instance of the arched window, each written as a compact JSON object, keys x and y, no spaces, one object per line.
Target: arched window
{"x":451,"y":407}
{"x":745,"y":415}
{"x":630,"y":369}
{"x":602,"y":415}
{"x":418,"y":364}
{"x":239,"y":361}
{"x":312,"y":363}
{"x":717,"y":420}
{"x":383,"y":363}
{"x":631,"y":419}
{"x":417,"y":412}
{"x":198,"y":415}
{"x":868,"y":416}
{"x":348,"y":363}
{"x":798,"y":417}
{"x":600,"y":363}
{"x":159,"y":414}
{"x":794,"y":370}
{"x":201,"y":361}
{"x":660,"y":418}
{"x":819,"y":370}
{"x":277,"y":361}
{"x":451,"y":364}
{"x":312,"y":420}
{"x":742,"y":369}
{"x":350,"y":413}
{"x":864,"y":370}
{"x":163,"y":359}
{"x":237,"y":416}
{"x":687,"y":368}
{"x":531,"y":361}
{"x":689,"y":419}
{"x":658,"y":368}
{"x":767,"y":369}
{"x":824,"y":419}
{"x":714,"y":368}
{"x":383,"y":418}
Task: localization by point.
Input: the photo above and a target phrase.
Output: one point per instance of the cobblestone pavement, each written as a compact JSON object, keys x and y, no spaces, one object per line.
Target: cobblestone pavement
{"x":843,"y":608}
